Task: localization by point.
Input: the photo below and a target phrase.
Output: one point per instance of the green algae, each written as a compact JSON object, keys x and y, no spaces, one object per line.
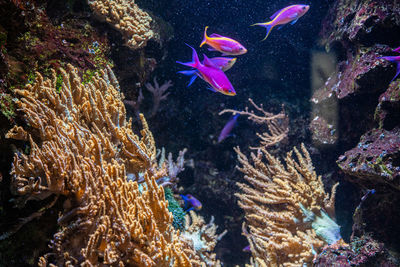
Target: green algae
{"x":176,"y":210}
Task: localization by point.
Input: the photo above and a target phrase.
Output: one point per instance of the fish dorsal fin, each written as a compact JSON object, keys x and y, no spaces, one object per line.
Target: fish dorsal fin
{"x":208,"y":62}
{"x":215,"y":35}
{"x":276,"y":13}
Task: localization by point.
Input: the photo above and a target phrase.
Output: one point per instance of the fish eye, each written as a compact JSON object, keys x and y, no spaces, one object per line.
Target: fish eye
{"x":229,"y":91}
{"x":304,"y":8}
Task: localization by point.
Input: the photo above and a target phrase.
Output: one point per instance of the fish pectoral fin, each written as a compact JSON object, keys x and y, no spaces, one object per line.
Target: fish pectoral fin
{"x":192,"y":80}
{"x":293,"y":16}
{"x":226,"y":48}
{"x":294,"y":21}
{"x":211,"y":89}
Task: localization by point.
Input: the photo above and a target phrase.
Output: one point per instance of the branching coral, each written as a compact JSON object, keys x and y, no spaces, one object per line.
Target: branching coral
{"x":82,"y":147}
{"x":277,"y":124}
{"x":200,"y":239}
{"x":158,"y":94}
{"x":128,"y":18}
{"x":173,"y":167}
{"x":285,"y":209}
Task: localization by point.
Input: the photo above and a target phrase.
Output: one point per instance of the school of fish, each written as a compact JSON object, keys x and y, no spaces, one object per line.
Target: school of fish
{"x":212,"y":70}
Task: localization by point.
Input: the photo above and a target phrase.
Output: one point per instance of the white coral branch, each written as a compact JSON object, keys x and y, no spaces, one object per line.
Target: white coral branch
{"x":158,"y":93}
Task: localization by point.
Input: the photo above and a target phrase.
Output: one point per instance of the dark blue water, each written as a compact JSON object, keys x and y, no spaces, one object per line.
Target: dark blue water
{"x":272,"y":72}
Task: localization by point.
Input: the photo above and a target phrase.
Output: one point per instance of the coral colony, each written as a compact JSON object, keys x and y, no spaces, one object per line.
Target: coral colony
{"x":78,"y":155}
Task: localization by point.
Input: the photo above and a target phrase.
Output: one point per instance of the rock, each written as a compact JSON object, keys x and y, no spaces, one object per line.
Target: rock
{"x":363,"y":22}
{"x":376,"y":158}
{"x":387,"y":113}
{"x":363,"y":251}
{"x":323,"y":133}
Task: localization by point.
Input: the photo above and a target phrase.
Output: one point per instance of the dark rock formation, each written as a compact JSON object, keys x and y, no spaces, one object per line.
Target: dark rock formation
{"x":363,"y":251}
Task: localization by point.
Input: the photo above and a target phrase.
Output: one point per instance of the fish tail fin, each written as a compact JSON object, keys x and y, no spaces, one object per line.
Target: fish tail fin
{"x":205,"y":37}
{"x":195,"y":59}
{"x":188,"y":72}
{"x":393,"y":59}
{"x":268,"y":25}
{"x":189,"y":64}
{"x":397,"y":71}
{"x":192,"y":73}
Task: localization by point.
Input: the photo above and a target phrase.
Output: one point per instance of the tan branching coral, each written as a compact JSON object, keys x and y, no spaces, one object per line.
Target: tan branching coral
{"x":285,"y":208}
{"x":277,"y":124}
{"x":128,"y":18}
{"x":199,"y":241}
{"x":82,"y":147}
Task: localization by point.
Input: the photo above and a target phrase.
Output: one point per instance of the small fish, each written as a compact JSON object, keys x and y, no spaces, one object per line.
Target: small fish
{"x":246,"y":249}
{"x":369,"y":191}
{"x":223,"y":63}
{"x":223,"y":44}
{"x":226,"y":131}
{"x":397,"y":49}
{"x":394,"y":59}
{"x":209,"y":72}
{"x":284,"y":16}
{"x":191,"y":201}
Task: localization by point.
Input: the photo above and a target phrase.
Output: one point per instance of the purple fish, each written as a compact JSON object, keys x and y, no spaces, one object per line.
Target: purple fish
{"x":394,"y":59}
{"x":223,"y":44}
{"x":223,"y":63}
{"x":210,"y":73}
{"x":226,"y":131}
{"x":191,"y":201}
{"x":246,"y":249}
{"x":284,"y":16}
{"x":397,"y":49}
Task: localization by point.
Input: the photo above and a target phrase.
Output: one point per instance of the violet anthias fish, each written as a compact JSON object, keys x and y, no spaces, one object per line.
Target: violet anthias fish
{"x":210,"y":73}
{"x":284,"y":16}
{"x":191,"y":201}
{"x":223,"y":44}
{"x":226,"y":131}
{"x":223,"y":63}
{"x":394,"y":59}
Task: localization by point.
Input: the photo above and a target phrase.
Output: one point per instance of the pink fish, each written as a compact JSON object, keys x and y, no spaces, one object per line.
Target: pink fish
{"x":223,"y":63}
{"x":394,"y":59}
{"x":223,"y":44}
{"x":284,"y":16}
{"x":210,"y":73}
{"x":226,"y":131}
